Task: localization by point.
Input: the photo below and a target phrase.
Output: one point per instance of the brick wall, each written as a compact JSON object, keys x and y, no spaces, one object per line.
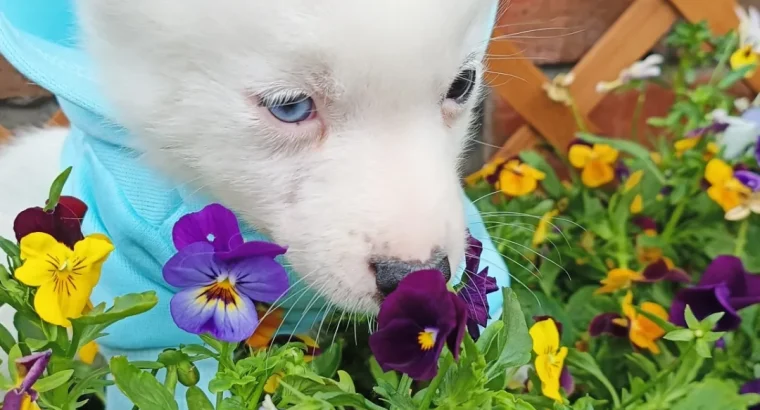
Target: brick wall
{"x":561,"y":31}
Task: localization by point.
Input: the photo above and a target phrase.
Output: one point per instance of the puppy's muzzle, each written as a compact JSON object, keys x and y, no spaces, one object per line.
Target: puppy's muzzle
{"x":390,"y":271}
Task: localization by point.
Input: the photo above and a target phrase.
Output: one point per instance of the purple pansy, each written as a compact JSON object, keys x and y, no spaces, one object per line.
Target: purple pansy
{"x":30,"y":369}
{"x":750,"y":179}
{"x":660,"y":270}
{"x":221,"y":277}
{"x":476,"y":288}
{"x":64,"y":222}
{"x":725,"y":287}
{"x":605,"y":324}
{"x":415,"y":322}
{"x":750,"y":388}
{"x":645,"y":223}
{"x":714,"y":128}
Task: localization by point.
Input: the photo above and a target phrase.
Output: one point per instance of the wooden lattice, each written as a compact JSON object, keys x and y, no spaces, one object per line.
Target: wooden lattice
{"x":637,"y":30}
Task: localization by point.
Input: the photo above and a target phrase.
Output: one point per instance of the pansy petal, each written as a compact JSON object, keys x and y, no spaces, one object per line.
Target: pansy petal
{"x":30,"y":368}
{"x":233,"y":322}
{"x":46,"y":304}
{"x":89,"y":255}
{"x":656,"y":271}
{"x":454,"y":340}
{"x":194,"y":265}
{"x":749,"y":179}
{"x":704,"y":301}
{"x":566,"y":381}
{"x":33,"y":220}
{"x":718,"y":172}
{"x":579,"y":155}
{"x":724,"y":269}
{"x":420,"y":296}
{"x":191,"y":310}
{"x":40,"y":253}
{"x":545,"y":337}
{"x":604,"y":324}
{"x":395,"y":347}
{"x":739,"y":213}
{"x":253,"y":248}
{"x":472,"y":254}
{"x":214,"y":224}
{"x":260,"y":278}
{"x":597,"y":173}
{"x":605,"y":153}
{"x":71,"y":207}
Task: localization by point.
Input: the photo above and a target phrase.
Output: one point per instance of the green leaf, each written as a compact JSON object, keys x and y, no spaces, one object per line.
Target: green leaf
{"x":7,"y":341}
{"x":197,"y":399}
{"x":691,"y":321}
{"x":232,"y":403}
{"x":197,"y":350}
{"x":551,"y":183}
{"x":709,"y":322}
{"x":390,"y":378}
{"x":327,"y":363}
{"x":637,"y":150}
{"x":714,"y":394}
{"x":703,"y":349}
{"x":123,"y":307}
{"x":586,"y":362}
{"x":53,"y":381}
{"x":735,"y":76}
{"x":56,"y":188}
{"x":680,"y":335}
{"x":13,"y":355}
{"x":140,"y":387}
{"x":515,"y":344}
{"x":9,"y":248}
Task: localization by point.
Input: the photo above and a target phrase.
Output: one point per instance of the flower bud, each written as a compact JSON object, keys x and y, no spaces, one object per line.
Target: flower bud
{"x":188,"y":374}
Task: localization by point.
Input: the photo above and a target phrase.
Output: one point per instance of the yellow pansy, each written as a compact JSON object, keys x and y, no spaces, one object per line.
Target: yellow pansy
{"x":725,"y":189}
{"x":750,"y":205}
{"x":518,"y":179}
{"x":686,"y":144}
{"x":743,"y":57}
{"x":643,"y":332}
{"x":618,"y":279}
{"x":64,"y":277}
{"x":88,"y":353}
{"x":596,"y":161}
{"x":488,"y":169}
{"x":637,"y":205}
{"x":656,"y":158}
{"x":550,"y":357}
{"x":542,"y":230}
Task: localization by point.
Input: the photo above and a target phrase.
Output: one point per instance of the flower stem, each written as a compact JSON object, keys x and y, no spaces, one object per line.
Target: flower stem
{"x":638,"y":110}
{"x":741,"y":239}
{"x":673,"y":221}
{"x":431,"y":390}
{"x":577,"y":115}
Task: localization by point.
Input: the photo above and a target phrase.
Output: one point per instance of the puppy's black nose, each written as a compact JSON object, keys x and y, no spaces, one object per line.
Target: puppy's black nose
{"x":389,"y":272}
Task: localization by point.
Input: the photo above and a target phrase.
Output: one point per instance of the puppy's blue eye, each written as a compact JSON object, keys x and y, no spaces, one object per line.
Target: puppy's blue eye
{"x":292,"y":110}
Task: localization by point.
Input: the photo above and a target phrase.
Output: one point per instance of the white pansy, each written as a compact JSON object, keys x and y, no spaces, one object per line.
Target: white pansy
{"x":742,"y":132}
{"x":749,"y":27}
{"x":649,"y":67}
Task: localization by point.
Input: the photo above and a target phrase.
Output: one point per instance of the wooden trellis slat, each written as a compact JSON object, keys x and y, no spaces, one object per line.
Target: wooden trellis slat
{"x":635,"y":33}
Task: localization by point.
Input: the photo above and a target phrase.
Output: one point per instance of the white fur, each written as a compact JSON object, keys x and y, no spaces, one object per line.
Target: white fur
{"x":375,"y":174}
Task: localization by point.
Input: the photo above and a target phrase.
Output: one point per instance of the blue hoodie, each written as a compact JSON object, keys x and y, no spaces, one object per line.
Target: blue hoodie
{"x":128,"y":201}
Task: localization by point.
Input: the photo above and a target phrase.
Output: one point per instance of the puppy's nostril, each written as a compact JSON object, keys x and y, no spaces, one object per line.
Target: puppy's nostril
{"x":389,"y":272}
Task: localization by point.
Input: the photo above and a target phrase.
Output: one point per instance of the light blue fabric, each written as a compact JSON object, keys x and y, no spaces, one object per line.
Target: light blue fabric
{"x":128,"y":201}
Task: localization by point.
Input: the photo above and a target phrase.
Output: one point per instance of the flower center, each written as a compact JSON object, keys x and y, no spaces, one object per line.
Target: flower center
{"x":223,"y":290}
{"x":210,"y":237}
{"x":427,"y":337}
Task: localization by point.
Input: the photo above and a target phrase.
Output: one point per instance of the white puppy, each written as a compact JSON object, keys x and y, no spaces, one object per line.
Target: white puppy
{"x":334,"y":127}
